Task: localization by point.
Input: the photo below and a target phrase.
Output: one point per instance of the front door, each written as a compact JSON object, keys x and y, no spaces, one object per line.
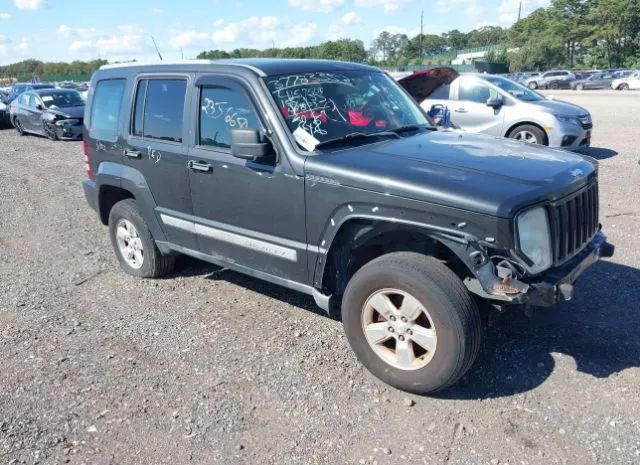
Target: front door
{"x":157,"y":148}
{"x":248,"y":213}
{"x":470,"y":110}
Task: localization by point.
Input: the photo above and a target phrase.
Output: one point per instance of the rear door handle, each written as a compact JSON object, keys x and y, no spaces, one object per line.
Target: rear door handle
{"x":132,"y":153}
{"x":461,"y":110}
{"x":199,"y":166}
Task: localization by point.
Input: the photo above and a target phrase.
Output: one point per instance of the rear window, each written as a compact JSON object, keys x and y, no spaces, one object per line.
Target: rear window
{"x":105,"y":110}
{"x":441,"y":93}
{"x":159,"y":109}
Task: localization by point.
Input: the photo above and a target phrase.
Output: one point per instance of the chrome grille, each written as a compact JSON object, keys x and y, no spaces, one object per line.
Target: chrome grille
{"x":574,"y":222}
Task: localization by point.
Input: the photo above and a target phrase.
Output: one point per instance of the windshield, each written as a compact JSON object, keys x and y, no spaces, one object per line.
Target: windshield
{"x":323,"y":106}
{"x":62,"y":99}
{"x":516,"y":90}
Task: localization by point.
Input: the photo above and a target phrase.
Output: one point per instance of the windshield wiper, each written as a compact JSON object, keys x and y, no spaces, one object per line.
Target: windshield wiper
{"x":410,"y":127}
{"x":356,"y":135}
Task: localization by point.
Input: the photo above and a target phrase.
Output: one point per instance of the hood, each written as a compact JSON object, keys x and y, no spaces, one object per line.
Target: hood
{"x":423,"y":83}
{"x":68,"y":112}
{"x":469,"y":171}
{"x":558,"y":107}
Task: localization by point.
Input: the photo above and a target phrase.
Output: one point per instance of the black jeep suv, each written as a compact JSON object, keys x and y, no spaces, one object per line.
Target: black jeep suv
{"x":327,"y":178}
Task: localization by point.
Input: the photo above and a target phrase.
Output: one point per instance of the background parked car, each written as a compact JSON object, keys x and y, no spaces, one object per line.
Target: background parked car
{"x":494,"y":105}
{"x":555,"y":84}
{"x":54,"y":113}
{"x":542,"y":81}
{"x":595,"y":81}
{"x":21,"y":87}
{"x":631,"y":82}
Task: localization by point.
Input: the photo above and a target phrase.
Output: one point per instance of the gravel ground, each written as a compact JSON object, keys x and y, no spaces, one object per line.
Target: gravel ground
{"x":209,"y":366}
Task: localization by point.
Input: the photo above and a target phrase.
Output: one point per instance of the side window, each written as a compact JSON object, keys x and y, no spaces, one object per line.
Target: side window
{"x":138,"y":110}
{"x":163,"y":109}
{"x":441,"y":93}
{"x":474,"y":91}
{"x":221,"y":110}
{"x":105,"y":110}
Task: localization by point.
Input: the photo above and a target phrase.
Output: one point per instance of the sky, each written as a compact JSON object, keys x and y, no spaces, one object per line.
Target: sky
{"x":117,"y":30}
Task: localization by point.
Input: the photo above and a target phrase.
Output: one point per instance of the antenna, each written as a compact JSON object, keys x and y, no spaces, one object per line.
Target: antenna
{"x":156,"y":46}
{"x":181,"y":53}
{"x":421,"y":36}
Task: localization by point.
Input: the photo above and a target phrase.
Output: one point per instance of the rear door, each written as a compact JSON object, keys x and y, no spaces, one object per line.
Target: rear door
{"x":156,"y":147}
{"x":470,"y":110}
{"x":634,"y":81}
{"x":32,"y":113}
{"x":252,"y":213}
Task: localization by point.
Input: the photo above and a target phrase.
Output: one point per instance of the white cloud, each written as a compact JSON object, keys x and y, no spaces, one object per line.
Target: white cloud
{"x":31,"y":5}
{"x":322,"y":6}
{"x":300,"y":34}
{"x":508,"y":10}
{"x":4,"y":16}
{"x":474,"y":10}
{"x":81,"y":32}
{"x":350,"y":18}
{"x":391,"y":7}
{"x":189,"y":38}
{"x":260,"y":30}
{"x":156,"y":11}
{"x":127,"y":41}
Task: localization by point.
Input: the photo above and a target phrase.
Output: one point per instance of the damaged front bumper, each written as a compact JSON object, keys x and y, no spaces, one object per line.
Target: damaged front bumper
{"x":555,"y":285}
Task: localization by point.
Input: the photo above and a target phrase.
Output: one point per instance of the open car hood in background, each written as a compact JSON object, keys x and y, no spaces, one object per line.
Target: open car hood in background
{"x":423,"y":83}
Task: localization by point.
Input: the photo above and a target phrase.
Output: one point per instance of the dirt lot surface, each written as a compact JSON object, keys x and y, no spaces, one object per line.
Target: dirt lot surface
{"x":208,"y":366}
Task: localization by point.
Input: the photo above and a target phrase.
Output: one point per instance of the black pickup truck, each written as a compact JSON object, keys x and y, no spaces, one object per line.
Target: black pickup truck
{"x":327,"y":178}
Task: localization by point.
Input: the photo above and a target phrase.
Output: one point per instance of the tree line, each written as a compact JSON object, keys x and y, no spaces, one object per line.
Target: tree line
{"x":567,"y":34}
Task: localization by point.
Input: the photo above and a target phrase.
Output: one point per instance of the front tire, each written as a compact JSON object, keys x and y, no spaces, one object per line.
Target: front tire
{"x":625,"y":87}
{"x":411,"y":322}
{"x":580,"y":87}
{"x":533,"y":85}
{"x":50,"y":132}
{"x":18,"y":125}
{"x":133,"y":243}
{"x":529,"y":134}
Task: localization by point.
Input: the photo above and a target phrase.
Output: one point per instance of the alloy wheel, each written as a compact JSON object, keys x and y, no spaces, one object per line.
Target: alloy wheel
{"x":526,"y":136}
{"x":129,"y":244}
{"x":399,"y":329}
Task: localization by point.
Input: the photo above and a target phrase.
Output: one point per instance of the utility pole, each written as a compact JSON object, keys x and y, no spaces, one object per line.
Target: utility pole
{"x":519,"y":10}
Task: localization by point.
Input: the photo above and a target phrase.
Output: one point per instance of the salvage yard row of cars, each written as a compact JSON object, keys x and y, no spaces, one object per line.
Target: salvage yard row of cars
{"x":617,"y":79}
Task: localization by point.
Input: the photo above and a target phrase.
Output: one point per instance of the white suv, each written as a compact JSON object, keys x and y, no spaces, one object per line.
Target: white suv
{"x":542,"y":80}
{"x":627,"y":83}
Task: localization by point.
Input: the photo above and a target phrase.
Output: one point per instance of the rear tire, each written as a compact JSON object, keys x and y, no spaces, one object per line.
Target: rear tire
{"x":624,"y":87}
{"x":448,"y":322}
{"x":533,"y":85}
{"x":133,"y":243}
{"x":580,"y":87}
{"x":528,"y":133}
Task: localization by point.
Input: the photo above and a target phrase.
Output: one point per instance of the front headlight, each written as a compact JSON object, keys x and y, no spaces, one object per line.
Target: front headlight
{"x":568,"y":119}
{"x":534,"y":236}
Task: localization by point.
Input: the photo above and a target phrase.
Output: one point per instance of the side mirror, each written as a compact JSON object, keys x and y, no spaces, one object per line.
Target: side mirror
{"x":39,"y":106}
{"x":495,"y":102}
{"x":245,"y":144}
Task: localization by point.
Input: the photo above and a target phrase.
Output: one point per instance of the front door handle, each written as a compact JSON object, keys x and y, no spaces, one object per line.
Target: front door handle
{"x":461,"y":110}
{"x":199,"y":166}
{"x":132,"y":153}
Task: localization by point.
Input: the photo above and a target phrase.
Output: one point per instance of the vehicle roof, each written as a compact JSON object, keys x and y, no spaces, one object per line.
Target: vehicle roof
{"x":33,"y":84}
{"x":260,"y":66}
{"x":53,"y":91}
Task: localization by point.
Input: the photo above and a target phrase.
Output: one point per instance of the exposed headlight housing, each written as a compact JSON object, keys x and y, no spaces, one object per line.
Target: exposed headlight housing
{"x":534,"y":238}
{"x":2,"y":106}
{"x":67,"y":122}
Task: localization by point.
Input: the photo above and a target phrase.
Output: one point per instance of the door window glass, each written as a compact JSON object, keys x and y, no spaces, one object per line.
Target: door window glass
{"x":221,"y":110}
{"x":164,"y":108}
{"x":474,"y":91}
{"x":105,"y":111}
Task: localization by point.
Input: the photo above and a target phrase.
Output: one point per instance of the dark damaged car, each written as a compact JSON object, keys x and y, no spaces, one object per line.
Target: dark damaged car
{"x":54,"y":113}
{"x":328,"y":179}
